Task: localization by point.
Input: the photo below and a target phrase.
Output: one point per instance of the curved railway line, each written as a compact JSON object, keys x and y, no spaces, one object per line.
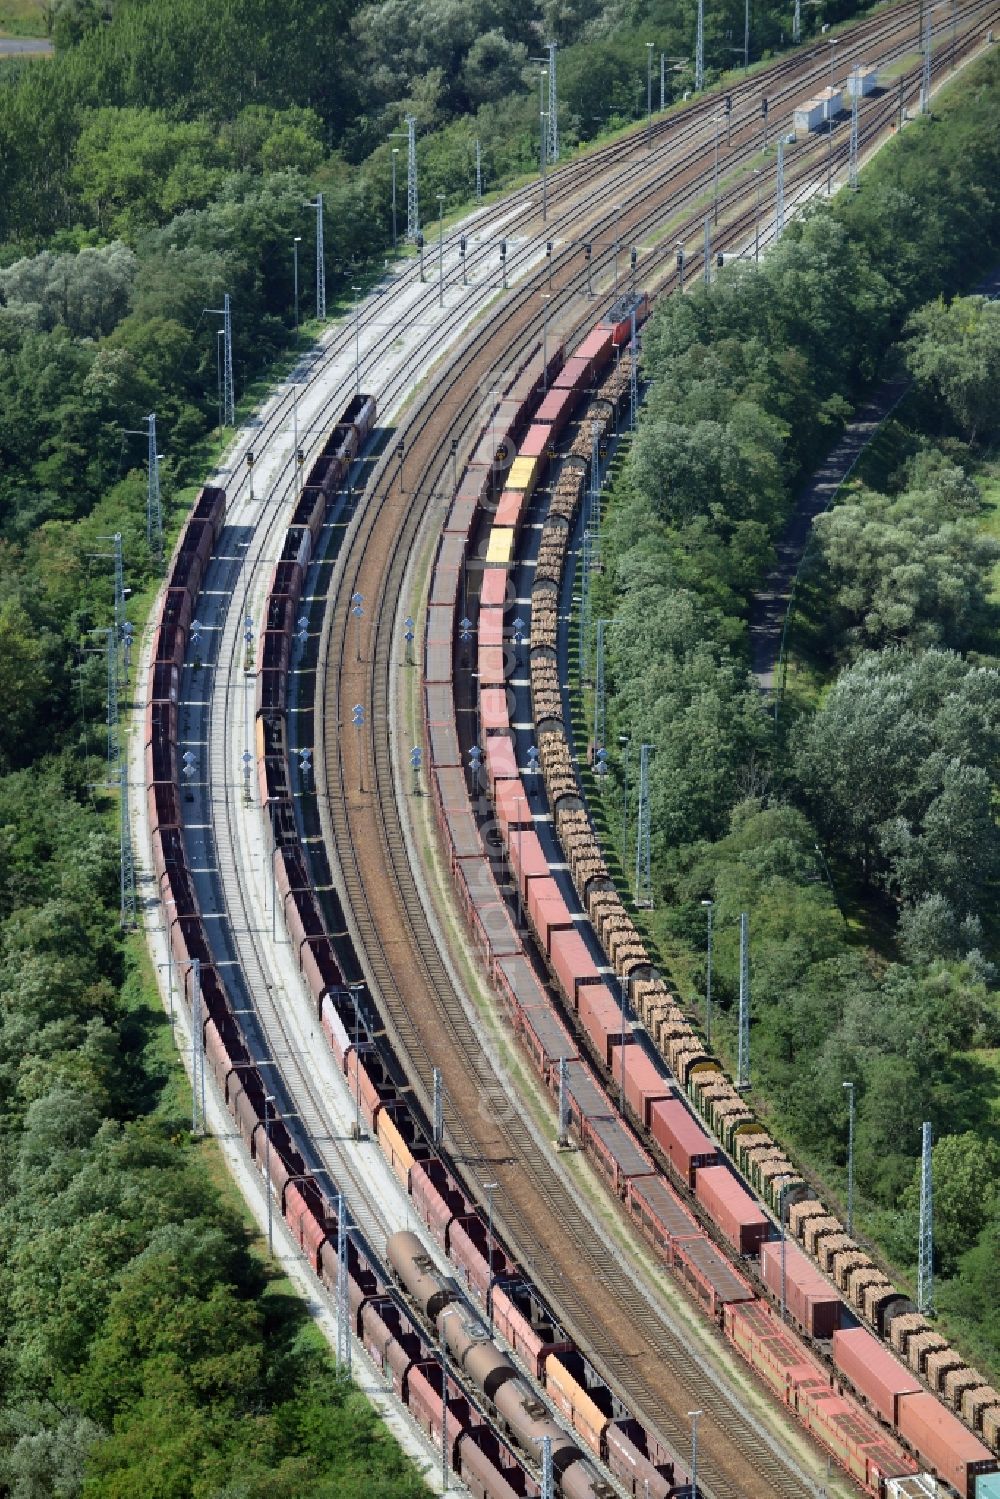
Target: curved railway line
{"x":642,"y":1357}
{"x":648,"y":1362}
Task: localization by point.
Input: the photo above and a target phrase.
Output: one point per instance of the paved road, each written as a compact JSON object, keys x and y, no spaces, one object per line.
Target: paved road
{"x":767,"y":612}
{"x":14,"y":46}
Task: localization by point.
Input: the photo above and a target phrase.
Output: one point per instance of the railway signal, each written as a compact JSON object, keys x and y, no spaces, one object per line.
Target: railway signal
{"x":303,"y":625}
{"x":533,"y":766}
{"x":420,"y":247}
{"x":247,"y":763}
{"x":408,"y":636}
{"x":518,"y":629}
{"x":188,"y":764}
{"x":305,"y":766}
{"x":465,"y":630}
{"x":416,"y":758}
{"x":475,"y":765}
{"x":358,"y":720}
{"x":358,"y":610}
{"x":196,"y":628}
{"x":503,"y":263}
{"x":728,"y":107}
{"x":250,"y":463}
{"x":461,"y":251}
{"x":763,"y":115}
{"x":588,"y":251}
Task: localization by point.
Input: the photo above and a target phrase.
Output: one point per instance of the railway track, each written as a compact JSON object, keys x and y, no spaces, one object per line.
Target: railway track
{"x":645,"y":1359}
{"x":220,"y":842}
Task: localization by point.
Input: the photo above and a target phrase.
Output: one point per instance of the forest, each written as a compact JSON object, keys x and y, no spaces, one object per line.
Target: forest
{"x":163,"y":157}
{"x":855,"y":817}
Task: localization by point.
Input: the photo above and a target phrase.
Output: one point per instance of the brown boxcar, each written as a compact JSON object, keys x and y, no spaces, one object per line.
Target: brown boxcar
{"x":638,"y":1463}
{"x":681,"y":1138}
{"x":943,"y":1443}
{"x":572,"y":964}
{"x":878,"y":1377}
{"x":810,"y":1299}
{"x":731,"y":1208}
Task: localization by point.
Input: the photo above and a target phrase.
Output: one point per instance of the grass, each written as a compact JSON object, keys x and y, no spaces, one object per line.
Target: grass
{"x":24,"y":18}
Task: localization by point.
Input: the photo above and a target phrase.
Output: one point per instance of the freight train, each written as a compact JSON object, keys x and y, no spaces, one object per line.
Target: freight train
{"x":855,"y":1437}
{"x":376,"y":1081}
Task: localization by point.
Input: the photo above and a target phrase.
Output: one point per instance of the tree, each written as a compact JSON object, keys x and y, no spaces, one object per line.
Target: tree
{"x":954,"y":354}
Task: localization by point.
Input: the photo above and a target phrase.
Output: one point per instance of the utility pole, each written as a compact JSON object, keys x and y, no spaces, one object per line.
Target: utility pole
{"x":663,"y":82}
{"x":699,"y":50}
{"x":343,"y":1291}
{"x":708,"y":252}
{"x":715,"y":176}
{"x":317,"y":203}
{"x":746,"y":36}
{"x":600,"y":705}
{"x":412,"y":197}
{"x":649,"y":93}
{"x":779,"y":196}
{"x":643,"y":872}
{"x":694,"y":1415}
{"x":126,"y":863}
{"x":112,"y":708}
{"x":543,"y":145}
{"x":925,"y":77}
{"x":553,"y":144}
{"x":594,"y":517}
{"x":154,"y":510}
{"x":563,"y":1137}
{"x":743,"y":1050}
{"x":797,"y":22}
{"x":197,"y":1052}
{"x":584,"y":606}
{"x":479,"y":172}
{"x":395,"y":153}
{"x":440,"y":202}
{"x":633,"y":379}
{"x":548,"y":1488}
{"x":850,"y":1157}
{"x":228,"y":393}
{"x":438,"y":1107}
{"x":709,"y":906}
{"x":852,"y":160}
{"x":925,"y":1269}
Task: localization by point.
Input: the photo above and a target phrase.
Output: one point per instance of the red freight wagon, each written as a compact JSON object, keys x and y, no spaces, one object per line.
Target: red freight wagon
{"x":596,"y":346}
{"x":518,"y":1318}
{"x":490,"y":627}
{"x":809,"y":1297}
{"x":644,"y":1084}
{"x":463,"y":835}
{"x":453,"y":789}
{"x":444,"y":586}
{"x":496,"y":929}
{"x":547,"y":911}
{"x":494,"y":710}
{"x":601,"y":1017}
{"x":616,"y":1152}
{"x":943,"y":1443}
{"x":527,"y":857}
{"x":493,"y":593}
{"x":537,"y":441}
{"x":682,"y":1139}
{"x":444,"y":744}
{"x":511,"y":805}
{"x":572,"y":964}
{"x":574,"y":375}
{"x":711,"y":1277}
{"x":492,"y":672}
{"x":556,"y":409}
{"x":461,"y":515}
{"x":731,"y":1208}
{"x":489,"y":1469}
{"x":469,"y":1247}
{"x":878,"y":1377}
{"x":501,"y":762}
{"x":660,"y":1214}
{"x":520,"y":986}
{"x":511,"y":508}
{"x":638,"y":1462}
{"x":436,"y":1196}
{"x":546,"y":1038}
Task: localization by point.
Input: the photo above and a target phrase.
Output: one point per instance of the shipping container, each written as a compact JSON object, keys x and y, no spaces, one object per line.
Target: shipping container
{"x":810,"y":1299}
{"x":572,"y":964}
{"x":644,"y":1083}
{"x":942,"y":1443}
{"x":878,"y":1377}
{"x":601,"y":1017}
{"x":681,"y":1138}
{"x":731,"y":1207}
{"x":494,"y":710}
{"x":527,"y":858}
{"x":494,"y":590}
